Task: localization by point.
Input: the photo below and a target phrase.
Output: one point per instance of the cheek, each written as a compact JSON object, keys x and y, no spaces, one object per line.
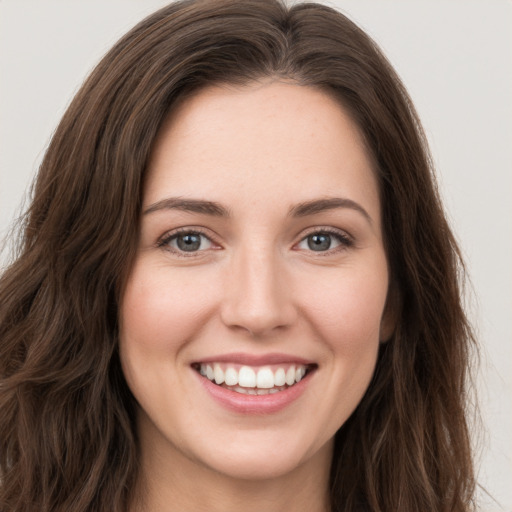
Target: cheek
{"x":344,"y":307}
{"x":347,"y":310}
{"x":161,"y":309}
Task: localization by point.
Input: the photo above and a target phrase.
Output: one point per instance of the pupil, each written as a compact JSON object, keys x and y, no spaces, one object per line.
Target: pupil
{"x":189,"y":242}
{"x":319,"y":242}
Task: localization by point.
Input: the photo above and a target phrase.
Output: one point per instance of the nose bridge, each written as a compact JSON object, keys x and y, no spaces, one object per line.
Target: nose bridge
{"x":256,"y":297}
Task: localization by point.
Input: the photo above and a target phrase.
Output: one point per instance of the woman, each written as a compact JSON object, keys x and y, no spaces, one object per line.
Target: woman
{"x":237,"y":287}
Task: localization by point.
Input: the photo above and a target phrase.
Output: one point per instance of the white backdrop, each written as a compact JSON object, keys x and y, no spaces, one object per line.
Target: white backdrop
{"x":455,"y":57}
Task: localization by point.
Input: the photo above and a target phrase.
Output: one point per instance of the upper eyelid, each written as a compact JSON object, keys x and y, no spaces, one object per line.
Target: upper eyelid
{"x":169,"y":235}
{"x":330,"y":230}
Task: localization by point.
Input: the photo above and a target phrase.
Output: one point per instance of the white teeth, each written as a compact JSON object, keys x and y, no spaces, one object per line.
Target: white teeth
{"x":256,"y":391}
{"x":290,"y":376}
{"x":231,"y":377}
{"x":218,"y":374}
{"x":299,"y":373}
{"x":265,"y":378}
{"x":280,"y":377}
{"x":247,"y":377}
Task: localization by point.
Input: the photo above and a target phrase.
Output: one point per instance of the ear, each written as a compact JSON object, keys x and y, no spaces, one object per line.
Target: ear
{"x":391,"y":314}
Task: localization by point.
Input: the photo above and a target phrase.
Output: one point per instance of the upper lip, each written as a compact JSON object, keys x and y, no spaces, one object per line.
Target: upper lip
{"x":255,"y":360}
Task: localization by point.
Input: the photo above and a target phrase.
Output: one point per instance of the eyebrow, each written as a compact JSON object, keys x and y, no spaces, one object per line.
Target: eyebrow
{"x":188,"y":205}
{"x":321,"y":205}
{"x":216,"y":209}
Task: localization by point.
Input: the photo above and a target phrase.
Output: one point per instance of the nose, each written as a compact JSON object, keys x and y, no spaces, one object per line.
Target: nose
{"x":257,"y":296}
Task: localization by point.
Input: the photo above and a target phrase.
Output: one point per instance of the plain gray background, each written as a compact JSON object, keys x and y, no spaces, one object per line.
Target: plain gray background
{"x":455,"y":57}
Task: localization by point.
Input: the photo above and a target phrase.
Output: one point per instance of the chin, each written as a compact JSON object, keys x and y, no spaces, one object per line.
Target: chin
{"x":262,"y":457}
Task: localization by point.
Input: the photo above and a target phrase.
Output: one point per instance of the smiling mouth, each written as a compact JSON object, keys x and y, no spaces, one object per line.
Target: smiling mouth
{"x":251,"y":380}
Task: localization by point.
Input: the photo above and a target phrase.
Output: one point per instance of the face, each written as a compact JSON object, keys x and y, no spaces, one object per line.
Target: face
{"x":252,"y":316}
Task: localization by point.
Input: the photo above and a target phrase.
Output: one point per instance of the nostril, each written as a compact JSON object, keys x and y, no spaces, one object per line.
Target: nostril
{"x":258,"y":323}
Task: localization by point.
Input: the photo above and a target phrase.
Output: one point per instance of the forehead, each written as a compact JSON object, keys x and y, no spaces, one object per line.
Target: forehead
{"x":275,"y":140}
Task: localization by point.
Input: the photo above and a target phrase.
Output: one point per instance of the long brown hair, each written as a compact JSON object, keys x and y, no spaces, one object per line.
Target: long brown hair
{"x":67,"y":436}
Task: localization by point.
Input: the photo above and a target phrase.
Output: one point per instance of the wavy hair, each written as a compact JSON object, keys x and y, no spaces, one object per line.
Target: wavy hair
{"x":67,"y":435}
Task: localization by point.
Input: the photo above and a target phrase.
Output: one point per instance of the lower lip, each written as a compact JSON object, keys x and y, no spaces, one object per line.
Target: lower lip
{"x":255,"y":404}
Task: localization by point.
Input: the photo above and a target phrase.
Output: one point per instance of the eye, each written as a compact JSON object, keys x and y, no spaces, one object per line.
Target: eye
{"x":187,"y":241}
{"x":323,"y":241}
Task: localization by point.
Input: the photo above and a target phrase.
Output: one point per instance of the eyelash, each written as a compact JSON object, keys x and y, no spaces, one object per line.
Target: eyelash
{"x":345,"y":241}
{"x":166,"y":240}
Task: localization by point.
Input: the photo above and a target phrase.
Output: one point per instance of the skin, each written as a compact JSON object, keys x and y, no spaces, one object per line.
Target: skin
{"x":256,"y":287}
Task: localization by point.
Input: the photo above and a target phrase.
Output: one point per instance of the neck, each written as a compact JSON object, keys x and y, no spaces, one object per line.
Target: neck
{"x":226,"y":495}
